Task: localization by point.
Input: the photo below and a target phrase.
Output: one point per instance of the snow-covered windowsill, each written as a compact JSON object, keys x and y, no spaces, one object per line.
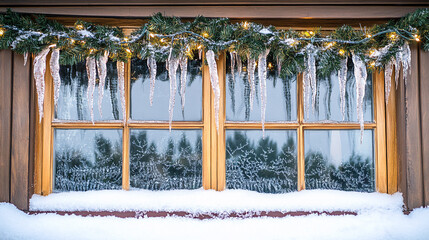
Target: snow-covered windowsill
{"x":210,"y":201}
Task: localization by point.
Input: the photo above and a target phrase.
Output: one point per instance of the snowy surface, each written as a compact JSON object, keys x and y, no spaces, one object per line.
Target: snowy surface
{"x":201,"y":201}
{"x":376,"y":224}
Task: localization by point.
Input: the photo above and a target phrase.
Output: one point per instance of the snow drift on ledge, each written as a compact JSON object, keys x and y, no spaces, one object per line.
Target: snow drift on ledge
{"x":210,"y":201}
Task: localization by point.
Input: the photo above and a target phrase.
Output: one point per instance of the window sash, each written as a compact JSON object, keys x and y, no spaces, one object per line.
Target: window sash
{"x":213,"y":160}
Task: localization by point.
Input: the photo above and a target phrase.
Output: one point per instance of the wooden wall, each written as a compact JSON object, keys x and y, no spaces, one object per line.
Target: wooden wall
{"x":413,"y":131}
{"x":16,"y":130}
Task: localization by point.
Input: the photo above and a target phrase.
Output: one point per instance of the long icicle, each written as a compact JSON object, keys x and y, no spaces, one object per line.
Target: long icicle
{"x":342,"y":80}
{"x":120,"y":66}
{"x":239,"y":64}
{"x":91,"y":72}
{"x":251,"y":65}
{"x":262,"y":74}
{"x":151,"y":64}
{"x":55,"y":72}
{"x":39,"y":76}
{"x":102,"y":73}
{"x":232,"y":56}
{"x":388,"y":71}
{"x":397,"y":68}
{"x":183,"y":77}
{"x":311,"y":72}
{"x":25,"y":58}
{"x":211,"y":61}
{"x":173,"y":64}
{"x":306,"y":85}
{"x":279,"y":65}
{"x":360,"y":76}
{"x":406,"y":62}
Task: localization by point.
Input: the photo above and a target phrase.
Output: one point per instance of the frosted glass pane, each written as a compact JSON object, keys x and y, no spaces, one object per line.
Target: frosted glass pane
{"x":261,"y":164}
{"x":160,"y":160}
{"x":140,"y":93}
{"x":73,"y":100}
{"x":328,"y":102}
{"x":335,"y":159}
{"x":87,"y":159}
{"x":281,"y":96}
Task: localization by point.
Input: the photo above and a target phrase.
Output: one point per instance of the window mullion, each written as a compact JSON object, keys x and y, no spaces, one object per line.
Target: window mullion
{"x":126,"y":132}
{"x":300,"y":135}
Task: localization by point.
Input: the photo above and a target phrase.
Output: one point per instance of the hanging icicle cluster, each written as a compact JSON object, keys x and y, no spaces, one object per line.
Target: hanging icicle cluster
{"x":166,"y":38}
{"x":262,"y":74}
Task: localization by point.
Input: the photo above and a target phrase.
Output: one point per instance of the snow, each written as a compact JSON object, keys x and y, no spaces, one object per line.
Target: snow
{"x":206,"y":201}
{"x":377,"y":224}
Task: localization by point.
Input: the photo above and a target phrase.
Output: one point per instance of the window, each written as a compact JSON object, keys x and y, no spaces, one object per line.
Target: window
{"x":296,"y":151}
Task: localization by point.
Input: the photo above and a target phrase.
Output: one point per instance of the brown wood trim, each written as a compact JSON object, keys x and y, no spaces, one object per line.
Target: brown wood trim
{"x":201,"y":216}
{"x":6,"y":57}
{"x":126,"y":131}
{"x":300,"y":134}
{"x":221,"y":164}
{"x":207,"y":175}
{"x":391,"y":140}
{"x":264,"y":11}
{"x":380,"y":132}
{"x":19,"y":173}
{"x":424,"y":119}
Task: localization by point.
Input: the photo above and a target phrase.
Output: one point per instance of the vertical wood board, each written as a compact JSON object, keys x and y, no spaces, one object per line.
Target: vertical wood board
{"x":424,"y":118}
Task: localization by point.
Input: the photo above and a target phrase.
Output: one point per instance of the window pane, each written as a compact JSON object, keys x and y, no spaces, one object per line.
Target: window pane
{"x":87,"y":159}
{"x":336,"y":159}
{"x":140,"y":93}
{"x":73,"y":100}
{"x":281,"y":96}
{"x":160,"y":160}
{"x":328,"y":102}
{"x":261,"y":164}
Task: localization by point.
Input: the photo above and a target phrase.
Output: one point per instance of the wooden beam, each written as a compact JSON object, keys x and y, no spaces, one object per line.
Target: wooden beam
{"x":5,"y":122}
{"x":207,"y":178}
{"x":424,"y":119}
{"x":221,"y":164}
{"x":413,"y":135}
{"x":239,"y":12}
{"x":20,"y":133}
{"x":380,"y":133}
{"x":47,"y":134}
{"x":391,"y":141}
{"x":300,"y":134}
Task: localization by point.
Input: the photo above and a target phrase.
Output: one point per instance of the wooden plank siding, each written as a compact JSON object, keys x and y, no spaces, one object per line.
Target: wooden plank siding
{"x":5,"y":122}
{"x":424,"y":118}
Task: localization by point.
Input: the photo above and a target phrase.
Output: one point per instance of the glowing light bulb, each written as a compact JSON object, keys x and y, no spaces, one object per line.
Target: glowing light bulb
{"x":416,"y":37}
{"x":368,"y":35}
{"x":205,"y":34}
{"x":270,"y":65}
{"x":79,"y":27}
{"x":342,"y":52}
{"x":246,"y":25}
{"x":162,"y":39}
{"x":393,"y":36}
{"x":72,"y":41}
{"x":372,"y":64}
{"x":200,"y":46}
{"x":151,"y":35}
{"x":126,"y":39}
{"x":1,"y":32}
{"x":128,"y":50}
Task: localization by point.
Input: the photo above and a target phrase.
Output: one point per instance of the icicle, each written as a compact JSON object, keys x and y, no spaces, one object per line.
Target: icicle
{"x":200,"y":53}
{"x":360,"y":76}
{"x":120,"y":66}
{"x":102,"y":73}
{"x":25,"y":58}
{"x":55,"y":72}
{"x":239,"y":64}
{"x":279,"y":65}
{"x":406,"y":61}
{"x":232,"y":55}
{"x":211,"y":61}
{"x":342,"y":79}
{"x":388,"y":79}
{"x":151,"y":64}
{"x":39,"y":77}
{"x":262,"y":73}
{"x":397,"y":68}
{"x":311,"y":73}
{"x":307,"y":91}
{"x":173,"y":64}
{"x":251,"y":65}
{"x":91,"y":72}
{"x":183,"y":77}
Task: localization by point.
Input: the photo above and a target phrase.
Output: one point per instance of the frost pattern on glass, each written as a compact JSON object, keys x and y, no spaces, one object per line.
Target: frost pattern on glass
{"x":251,"y":66}
{"x":87,"y":160}
{"x":262,"y":73}
{"x":73,"y":101}
{"x":263,"y":165}
{"x":160,"y":160}
{"x":281,"y":96}
{"x":39,"y":68}
{"x":183,"y":78}
{"x":360,"y":76}
{"x":102,"y":73}
{"x":211,"y":61}
{"x":141,"y":87}
{"x":342,"y":81}
{"x":120,"y":67}
{"x":91,"y":72}
{"x":335,"y":159}
{"x":55,"y":72}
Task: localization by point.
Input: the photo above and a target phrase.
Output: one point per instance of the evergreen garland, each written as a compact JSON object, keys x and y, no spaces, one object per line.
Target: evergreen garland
{"x":163,"y":36}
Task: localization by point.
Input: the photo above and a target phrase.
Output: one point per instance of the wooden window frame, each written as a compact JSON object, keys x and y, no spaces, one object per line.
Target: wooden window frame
{"x":213,"y":151}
